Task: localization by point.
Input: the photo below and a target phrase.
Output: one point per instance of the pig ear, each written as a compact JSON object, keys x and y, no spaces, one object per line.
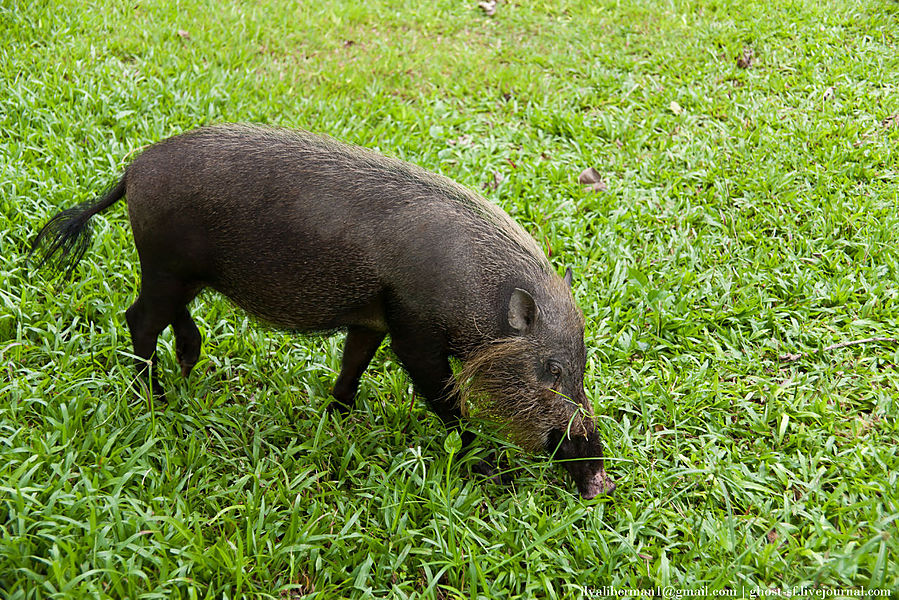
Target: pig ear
{"x":569,"y":277}
{"x":522,"y":311}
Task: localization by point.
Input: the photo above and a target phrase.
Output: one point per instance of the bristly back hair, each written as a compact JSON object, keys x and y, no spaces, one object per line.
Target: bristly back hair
{"x":381,"y":173}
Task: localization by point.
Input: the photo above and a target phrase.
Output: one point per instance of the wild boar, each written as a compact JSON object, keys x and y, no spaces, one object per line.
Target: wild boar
{"x":314,"y":235}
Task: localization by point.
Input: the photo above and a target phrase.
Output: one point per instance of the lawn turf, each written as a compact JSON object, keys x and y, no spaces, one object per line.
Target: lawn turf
{"x":748,"y":225}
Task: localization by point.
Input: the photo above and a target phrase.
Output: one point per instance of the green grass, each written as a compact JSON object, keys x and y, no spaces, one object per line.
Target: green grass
{"x":750,"y":213}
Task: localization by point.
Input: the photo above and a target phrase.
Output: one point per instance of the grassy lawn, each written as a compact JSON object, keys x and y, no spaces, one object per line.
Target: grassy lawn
{"x":749,"y":224}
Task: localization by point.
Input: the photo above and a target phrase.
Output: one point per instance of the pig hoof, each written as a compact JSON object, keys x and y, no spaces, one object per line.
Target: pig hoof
{"x":153,"y":393}
{"x":337,"y":407}
{"x":487,"y":470}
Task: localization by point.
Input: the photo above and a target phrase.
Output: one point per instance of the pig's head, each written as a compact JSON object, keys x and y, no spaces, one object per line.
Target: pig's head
{"x":532,"y":381}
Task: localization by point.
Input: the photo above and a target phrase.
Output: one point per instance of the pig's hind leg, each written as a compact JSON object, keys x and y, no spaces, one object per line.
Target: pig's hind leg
{"x":162,"y":302}
{"x":187,"y":341}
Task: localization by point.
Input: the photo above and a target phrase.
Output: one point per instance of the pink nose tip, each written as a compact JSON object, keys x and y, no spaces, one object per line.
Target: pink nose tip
{"x":600,"y":483}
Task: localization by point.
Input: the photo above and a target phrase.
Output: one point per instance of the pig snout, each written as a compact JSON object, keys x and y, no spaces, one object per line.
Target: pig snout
{"x":582,"y":457}
{"x":596,"y":485}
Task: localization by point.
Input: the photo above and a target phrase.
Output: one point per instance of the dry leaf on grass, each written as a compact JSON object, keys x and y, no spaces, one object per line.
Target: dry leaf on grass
{"x":497,"y":179}
{"x":462,"y":140}
{"x":592,"y":178}
{"x":489,"y":7}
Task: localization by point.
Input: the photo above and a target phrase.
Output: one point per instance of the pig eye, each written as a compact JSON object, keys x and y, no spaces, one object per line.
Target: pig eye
{"x":555,"y":369}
